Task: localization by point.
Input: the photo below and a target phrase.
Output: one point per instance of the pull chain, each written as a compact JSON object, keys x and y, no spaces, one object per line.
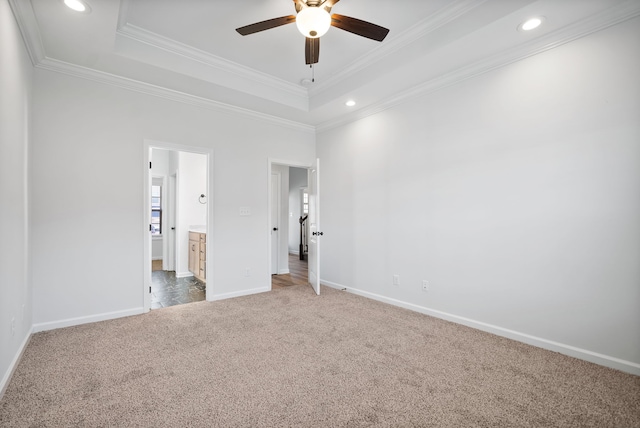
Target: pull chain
{"x":313,"y":73}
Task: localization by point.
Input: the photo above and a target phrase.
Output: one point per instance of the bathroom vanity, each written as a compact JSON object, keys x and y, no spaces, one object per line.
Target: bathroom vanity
{"x":198,"y":254}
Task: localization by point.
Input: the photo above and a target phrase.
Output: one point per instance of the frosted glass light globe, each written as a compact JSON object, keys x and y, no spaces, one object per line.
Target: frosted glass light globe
{"x":313,"y":22}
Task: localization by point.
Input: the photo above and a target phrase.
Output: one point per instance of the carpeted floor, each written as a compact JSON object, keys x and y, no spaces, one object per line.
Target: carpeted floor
{"x":289,"y":358}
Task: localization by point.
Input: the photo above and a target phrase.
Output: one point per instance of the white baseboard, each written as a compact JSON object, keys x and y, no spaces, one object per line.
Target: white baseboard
{"x":224,"y":296}
{"x":85,"y":320}
{"x":283,"y":271}
{"x":572,"y":351}
{"x":184,"y":274}
{"x":294,"y":252}
{"x":14,"y":364}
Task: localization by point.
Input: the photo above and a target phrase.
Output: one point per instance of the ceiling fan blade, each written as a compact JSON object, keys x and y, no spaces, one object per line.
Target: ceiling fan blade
{"x":266,"y":25}
{"x":312,"y":50}
{"x":359,"y":27}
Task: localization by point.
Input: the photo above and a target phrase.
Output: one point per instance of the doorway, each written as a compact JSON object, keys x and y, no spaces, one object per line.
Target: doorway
{"x":177,"y":219}
{"x":298,"y":274}
{"x":290,"y":225}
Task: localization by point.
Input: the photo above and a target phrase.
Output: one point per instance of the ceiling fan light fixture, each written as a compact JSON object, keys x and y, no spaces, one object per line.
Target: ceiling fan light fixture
{"x":313,"y":22}
{"x":350,"y":103}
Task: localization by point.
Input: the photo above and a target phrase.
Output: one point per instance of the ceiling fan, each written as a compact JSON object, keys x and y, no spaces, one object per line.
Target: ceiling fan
{"x":313,"y":20}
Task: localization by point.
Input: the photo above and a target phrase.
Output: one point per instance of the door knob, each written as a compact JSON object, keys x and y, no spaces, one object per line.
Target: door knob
{"x":317,"y":233}
{"x":275,"y":228}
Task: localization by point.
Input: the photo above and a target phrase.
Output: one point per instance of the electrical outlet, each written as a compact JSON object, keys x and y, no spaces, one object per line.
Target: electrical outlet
{"x":13,"y":326}
{"x":247,"y":272}
{"x":396,"y":279}
{"x":425,"y":285}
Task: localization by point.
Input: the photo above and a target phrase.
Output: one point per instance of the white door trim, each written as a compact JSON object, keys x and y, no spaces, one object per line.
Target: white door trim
{"x":146,"y":215}
{"x":275,"y":198}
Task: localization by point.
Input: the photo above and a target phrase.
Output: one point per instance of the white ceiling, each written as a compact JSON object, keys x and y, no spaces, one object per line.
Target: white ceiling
{"x":189,"y":49}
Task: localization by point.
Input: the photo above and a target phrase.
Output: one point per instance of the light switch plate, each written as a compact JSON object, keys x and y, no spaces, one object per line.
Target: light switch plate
{"x":245,"y":211}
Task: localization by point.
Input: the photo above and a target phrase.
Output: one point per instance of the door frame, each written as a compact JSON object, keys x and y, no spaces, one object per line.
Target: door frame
{"x":147,"y":146}
{"x":270,"y":163}
{"x":278,"y":209}
{"x":169,"y":262}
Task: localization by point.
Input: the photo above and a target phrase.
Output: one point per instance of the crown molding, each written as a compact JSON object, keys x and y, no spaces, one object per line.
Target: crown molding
{"x":28,"y":24}
{"x":177,"y":48}
{"x":443,"y":16}
{"x":69,"y":69}
{"x":612,"y":16}
{"x":123,"y":13}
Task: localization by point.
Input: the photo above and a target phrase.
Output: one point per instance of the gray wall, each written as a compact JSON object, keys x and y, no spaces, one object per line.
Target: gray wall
{"x":69,"y":166}
{"x":516,"y":194}
{"x":16,"y":74}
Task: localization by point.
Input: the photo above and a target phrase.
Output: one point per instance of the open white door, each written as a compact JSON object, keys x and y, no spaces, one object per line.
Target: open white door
{"x":169,"y":262}
{"x":314,"y":227}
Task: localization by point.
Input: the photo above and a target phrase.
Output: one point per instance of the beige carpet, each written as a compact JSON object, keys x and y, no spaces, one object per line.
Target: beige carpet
{"x":291,"y":359}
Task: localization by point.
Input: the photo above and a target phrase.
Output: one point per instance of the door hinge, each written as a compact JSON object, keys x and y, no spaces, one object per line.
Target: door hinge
{"x":149,"y":289}
{"x":150,"y":229}
{"x":149,"y":165}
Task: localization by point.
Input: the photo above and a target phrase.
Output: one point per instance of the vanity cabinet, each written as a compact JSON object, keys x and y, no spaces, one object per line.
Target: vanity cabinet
{"x":198,"y":255}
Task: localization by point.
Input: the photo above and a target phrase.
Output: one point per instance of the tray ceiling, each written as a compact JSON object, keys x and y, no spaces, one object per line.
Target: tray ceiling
{"x":189,"y":49}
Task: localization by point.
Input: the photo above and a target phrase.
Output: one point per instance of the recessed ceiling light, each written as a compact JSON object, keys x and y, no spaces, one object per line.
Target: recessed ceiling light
{"x":78,"y":5}
{"x":531,"y":23}
{"x":350,"y":103}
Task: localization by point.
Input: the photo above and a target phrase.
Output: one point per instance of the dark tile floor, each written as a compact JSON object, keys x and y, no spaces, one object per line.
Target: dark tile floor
{"x":167,"y":290}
